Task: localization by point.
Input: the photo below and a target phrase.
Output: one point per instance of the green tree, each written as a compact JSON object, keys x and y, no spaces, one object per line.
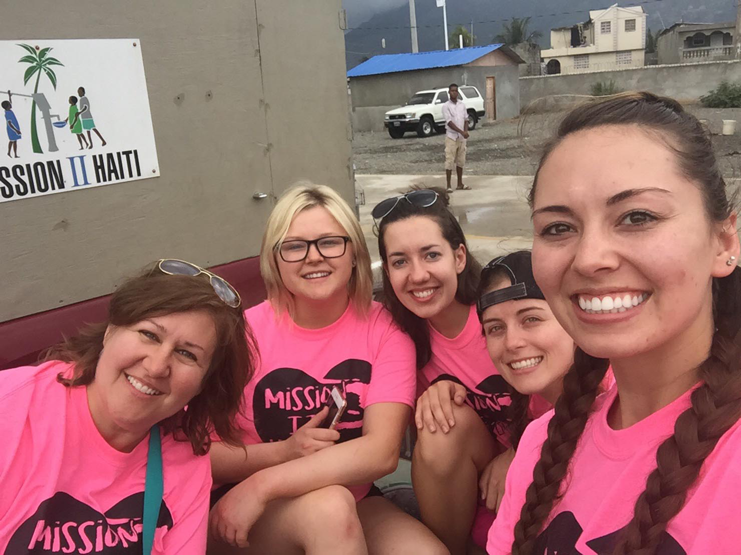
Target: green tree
{"x":516,"y":31}
{"x":651,"y":39}
{"x":467,"y":37}
{"x":40,"y":63}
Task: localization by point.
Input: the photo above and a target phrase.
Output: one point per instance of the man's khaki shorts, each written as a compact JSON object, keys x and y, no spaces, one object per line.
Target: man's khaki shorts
{"x":455,"y":153}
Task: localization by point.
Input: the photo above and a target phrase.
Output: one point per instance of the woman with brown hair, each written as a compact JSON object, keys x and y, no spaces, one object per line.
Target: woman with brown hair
{"x":635,"y":251}
{"x":104,"y":443}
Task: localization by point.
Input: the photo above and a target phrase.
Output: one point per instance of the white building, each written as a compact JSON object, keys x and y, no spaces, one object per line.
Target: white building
{"x":611,"y":39}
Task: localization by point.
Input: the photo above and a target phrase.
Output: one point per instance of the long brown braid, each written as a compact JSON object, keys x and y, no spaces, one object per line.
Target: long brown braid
{"x":716,"y":404}
{"x":580,"y":387}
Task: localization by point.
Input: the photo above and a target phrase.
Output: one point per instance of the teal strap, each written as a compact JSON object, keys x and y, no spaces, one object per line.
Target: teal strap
{"x":153,"y":489}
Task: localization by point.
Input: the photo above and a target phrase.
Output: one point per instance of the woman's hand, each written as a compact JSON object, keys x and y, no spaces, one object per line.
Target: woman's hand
{"x":435,"y":406}
{"x":235,"y":514}
{"x":309,"y":438}
{"x":493,"y":477}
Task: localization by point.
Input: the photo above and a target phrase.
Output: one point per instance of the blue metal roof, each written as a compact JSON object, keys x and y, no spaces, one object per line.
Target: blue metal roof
{"x":393,"y":63}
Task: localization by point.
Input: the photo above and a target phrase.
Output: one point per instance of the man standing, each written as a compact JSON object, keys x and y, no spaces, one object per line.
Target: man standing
{"x":88,"y":123}
{"x":456,"y":133}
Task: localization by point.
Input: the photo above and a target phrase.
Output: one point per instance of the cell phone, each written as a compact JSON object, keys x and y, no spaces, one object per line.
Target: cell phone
{"x":337,"y":405}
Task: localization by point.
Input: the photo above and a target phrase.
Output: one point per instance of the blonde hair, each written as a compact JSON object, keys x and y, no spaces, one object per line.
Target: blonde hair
{"x":293,"y":201}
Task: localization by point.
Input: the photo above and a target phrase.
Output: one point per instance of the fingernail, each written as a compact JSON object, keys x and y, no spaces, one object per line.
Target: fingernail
{"x":446,"y":429}
{"x":451,"y":422}
{"x":432,"y":428}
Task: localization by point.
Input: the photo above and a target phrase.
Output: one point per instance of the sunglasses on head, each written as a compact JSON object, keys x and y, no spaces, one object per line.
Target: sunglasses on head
{"x":222,"y":288}
{"x":421,"y":198}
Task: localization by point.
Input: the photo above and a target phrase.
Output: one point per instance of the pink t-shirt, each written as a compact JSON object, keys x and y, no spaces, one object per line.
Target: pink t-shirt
{"x":65,"y":490}
{"x":369,"y":358}
{"x":608,"y":473}
{"x":465,"y":360}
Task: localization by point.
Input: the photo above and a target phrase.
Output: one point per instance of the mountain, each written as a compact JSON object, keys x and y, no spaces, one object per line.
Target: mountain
{"x":370,"y":21}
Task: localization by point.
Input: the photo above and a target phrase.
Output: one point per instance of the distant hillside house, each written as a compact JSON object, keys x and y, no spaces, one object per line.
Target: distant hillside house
{"x":611,"y":39}
{"x":684,"y":43}
{"x":389,"y":81}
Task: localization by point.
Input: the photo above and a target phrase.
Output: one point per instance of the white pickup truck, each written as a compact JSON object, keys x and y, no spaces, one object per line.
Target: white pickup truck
{"x":424,"y":112}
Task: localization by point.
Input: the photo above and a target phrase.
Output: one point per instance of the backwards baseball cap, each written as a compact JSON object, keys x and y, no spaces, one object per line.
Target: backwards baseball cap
{"x":518,"y":267}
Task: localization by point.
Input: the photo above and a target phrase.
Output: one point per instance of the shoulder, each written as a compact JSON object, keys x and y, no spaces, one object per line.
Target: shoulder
{"x":32,"y":379}
{"x":262,"y":313}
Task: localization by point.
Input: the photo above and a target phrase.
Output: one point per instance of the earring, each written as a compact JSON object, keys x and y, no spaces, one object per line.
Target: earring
{"x":731,"y":261}
{"x":353,"y":262}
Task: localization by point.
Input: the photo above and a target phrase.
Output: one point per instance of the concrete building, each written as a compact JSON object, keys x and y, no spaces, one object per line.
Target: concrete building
{"x":388,"y":81}
{"x":613,"y":38}
{"x":684,"y":43}
{"x":238,"y":118}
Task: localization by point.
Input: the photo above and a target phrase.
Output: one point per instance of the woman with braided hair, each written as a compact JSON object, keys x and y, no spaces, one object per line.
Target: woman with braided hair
{"x":635,"y":251}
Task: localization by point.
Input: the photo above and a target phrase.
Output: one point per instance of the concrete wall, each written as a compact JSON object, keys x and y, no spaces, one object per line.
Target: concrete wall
{"x":683,"y":82}
{"x":599,"y":61}
{"x":376,"y":94}
{"x":258,"y":131}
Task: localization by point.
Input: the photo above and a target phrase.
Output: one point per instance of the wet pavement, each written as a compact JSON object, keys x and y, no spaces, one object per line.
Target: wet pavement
{"x":494,"y":214}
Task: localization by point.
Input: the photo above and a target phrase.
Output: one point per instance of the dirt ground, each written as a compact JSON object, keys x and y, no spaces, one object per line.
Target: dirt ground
{"x":509,"y":147}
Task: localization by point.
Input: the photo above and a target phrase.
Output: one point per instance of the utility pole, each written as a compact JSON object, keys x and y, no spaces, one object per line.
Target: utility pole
{"x":736,"y":41}
{"x":442,"y":4}
{"x":413,"y":25}
{"x":473,"y":40}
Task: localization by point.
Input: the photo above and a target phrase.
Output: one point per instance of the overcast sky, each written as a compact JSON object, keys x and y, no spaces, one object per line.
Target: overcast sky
{"x":359,"y":11}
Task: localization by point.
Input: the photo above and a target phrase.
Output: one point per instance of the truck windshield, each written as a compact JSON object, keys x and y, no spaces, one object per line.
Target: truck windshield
{"x":421,"y":98}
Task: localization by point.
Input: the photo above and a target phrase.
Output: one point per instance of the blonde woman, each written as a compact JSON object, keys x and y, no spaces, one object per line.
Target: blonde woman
{"x":304,"y":488}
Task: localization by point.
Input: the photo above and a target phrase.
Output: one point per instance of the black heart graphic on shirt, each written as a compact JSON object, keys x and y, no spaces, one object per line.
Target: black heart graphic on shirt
{"x":562,"y":534}
{"x":490,"y":400}
{"x":286,"y":398}
{"x":63,"y":524}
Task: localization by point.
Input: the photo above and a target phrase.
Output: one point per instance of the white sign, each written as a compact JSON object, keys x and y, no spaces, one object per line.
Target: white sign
{"x":440,"y":3}
{"x":76,"y":116}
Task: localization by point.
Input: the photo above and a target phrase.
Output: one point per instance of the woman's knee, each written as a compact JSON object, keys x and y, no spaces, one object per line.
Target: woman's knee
{"x":442,"y":452}
{"x":332,"y":509}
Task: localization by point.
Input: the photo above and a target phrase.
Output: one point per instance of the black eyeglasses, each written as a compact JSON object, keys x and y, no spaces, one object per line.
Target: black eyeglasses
{"x":297,"y":250}
{"x":421,"y":198}
{"x":222,"y":288}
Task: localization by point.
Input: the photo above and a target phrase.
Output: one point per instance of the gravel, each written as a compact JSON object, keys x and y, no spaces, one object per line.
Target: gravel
{"x":508,"y":147}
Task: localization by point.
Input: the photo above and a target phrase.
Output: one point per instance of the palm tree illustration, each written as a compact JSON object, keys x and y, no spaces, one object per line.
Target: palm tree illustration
{"x":40,"y":63}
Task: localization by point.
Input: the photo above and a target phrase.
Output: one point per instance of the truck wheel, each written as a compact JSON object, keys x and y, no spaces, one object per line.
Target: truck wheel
{"x":425,"y":127}
{"x":472,"y":120}
{"x":395,"y":133}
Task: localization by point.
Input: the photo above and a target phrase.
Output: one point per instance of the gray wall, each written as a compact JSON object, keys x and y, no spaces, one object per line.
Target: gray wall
{"x":683,"y":82}
{"x":278,"y":114}
{"x":394,"y":89}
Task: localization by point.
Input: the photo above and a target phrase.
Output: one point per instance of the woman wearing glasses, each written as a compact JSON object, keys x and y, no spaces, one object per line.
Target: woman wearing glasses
{"x":98,"y":453}
{"x":303,"y":487}
{"x":430,"y":286}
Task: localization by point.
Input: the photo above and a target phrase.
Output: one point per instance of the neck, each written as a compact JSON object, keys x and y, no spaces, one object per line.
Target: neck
{"x":313,"y":315}
{"x":648,"y":382}
{"x":118,"y":438}
{"x":451,"y":320}
{"x":553,"y":391}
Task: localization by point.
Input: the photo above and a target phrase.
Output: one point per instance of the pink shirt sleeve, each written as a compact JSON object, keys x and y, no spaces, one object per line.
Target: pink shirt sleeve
{"x":519,"y":477}
{"x":394,"y":368}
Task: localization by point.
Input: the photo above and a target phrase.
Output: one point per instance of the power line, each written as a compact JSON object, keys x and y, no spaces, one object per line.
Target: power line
{"x":498,"y":20}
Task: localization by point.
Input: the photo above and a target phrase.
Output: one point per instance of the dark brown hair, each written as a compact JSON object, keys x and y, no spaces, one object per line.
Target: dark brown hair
{"x":154,"y":294}
{"x":468,"y":280}
{"x":716,"y":403}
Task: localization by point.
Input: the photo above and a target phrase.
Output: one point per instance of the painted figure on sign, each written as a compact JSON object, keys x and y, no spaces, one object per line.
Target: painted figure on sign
{"x":88,"y":124}
{"x":11,"y":125}
{"x":75,"y":123}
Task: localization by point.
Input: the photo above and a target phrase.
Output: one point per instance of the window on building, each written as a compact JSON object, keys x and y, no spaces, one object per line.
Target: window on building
{"x":469,"y":92}
{"x":630,"y":25}
{"x":606,"y":27}
{"x":624,"y":58}
{"x":698,"y":40}
{"x":581,"y":61}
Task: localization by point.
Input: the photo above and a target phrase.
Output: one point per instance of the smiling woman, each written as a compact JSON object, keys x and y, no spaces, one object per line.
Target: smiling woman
{"x":75,"y":427}
{"x":635,"y":249}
